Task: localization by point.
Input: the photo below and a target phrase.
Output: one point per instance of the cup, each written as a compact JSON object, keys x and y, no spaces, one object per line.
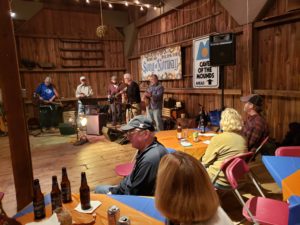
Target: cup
{"x":182,"y":115}
{"x":185,"y":133}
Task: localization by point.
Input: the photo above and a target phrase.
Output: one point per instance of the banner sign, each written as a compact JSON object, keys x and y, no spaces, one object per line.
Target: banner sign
{"x":204,"y":75}
{"x":165,"y":63}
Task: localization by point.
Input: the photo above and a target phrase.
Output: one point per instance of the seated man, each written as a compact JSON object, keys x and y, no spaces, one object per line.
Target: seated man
{"x":48,"y":108}
{"x":255,"y":128}
{"x":225,"y":145}
{"x":142,"y":179}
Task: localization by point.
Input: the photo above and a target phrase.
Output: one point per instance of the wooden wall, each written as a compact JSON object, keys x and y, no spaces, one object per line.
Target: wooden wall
{"x":267,"y":58}
{"x":68,"y":40}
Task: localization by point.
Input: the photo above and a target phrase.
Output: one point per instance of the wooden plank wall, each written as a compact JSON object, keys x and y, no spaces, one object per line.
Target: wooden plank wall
{"x":40,"y":40}
{"x":274,"y":53}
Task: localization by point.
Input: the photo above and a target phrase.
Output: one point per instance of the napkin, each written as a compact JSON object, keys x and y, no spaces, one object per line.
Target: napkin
{"x":185,"y":143}
{"x":53,"y":220}
{"x":207,"y":134}
{"x":206,"y":142}
{"x":94,"y":205}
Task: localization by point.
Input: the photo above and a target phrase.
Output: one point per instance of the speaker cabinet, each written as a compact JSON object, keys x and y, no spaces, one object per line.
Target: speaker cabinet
{"x":95,"y":123}
{"x":222,"y":49}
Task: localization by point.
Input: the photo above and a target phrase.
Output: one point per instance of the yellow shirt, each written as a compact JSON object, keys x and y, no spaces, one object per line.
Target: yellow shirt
{"x":221,"y":147}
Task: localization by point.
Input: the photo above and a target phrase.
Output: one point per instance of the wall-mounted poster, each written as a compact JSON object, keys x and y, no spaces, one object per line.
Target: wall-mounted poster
{"x":204,"y":75}
{"x":165,"y":63}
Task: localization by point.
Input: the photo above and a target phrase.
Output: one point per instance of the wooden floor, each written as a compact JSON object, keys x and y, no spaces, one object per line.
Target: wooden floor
{"x":97,"y":158}
{"x":50,"y":152}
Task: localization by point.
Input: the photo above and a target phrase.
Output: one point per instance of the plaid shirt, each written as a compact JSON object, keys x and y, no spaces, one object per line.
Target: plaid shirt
{"x":255,"y":130}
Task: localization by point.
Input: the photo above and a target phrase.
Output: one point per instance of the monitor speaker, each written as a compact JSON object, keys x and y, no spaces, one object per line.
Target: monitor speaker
{"x":95,"y":123}
{"x":222,"y":49}
{"x":111,"y":134}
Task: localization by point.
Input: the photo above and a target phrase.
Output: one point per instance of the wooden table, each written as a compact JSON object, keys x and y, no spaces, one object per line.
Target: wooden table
{"x":136,"y":217}
{"x":169,"y":139}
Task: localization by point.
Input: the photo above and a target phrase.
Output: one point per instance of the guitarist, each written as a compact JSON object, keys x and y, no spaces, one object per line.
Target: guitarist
{"x":49,"y":110}
{"x":114,"y":95}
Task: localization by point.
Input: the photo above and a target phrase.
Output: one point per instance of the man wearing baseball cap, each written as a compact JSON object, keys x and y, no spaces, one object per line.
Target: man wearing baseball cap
{"x":255,"y":128}
{"x":83,"y":90}
{"x":142,"y":179}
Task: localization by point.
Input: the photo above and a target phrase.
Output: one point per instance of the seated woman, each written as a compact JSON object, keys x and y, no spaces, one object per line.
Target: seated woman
{"x":184,"y":193}
{"x":225,"y":145}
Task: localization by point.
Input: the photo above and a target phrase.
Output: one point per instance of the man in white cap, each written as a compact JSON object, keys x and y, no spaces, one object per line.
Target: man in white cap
{"x":83,"y":90}
{"x":255,"y":128}
{"x":141,"y":181}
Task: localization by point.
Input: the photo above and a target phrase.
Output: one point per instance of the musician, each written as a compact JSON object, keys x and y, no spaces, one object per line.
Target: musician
{"x":114,"y":95}
{"x":49,"y":109}
{"x":155,"y":93}
{"x":83,"y":90}
{"x":133,"y":97}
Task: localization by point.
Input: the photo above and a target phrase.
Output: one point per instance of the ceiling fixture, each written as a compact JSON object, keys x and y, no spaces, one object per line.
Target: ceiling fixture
{"x":87,"y":1}
{"x":110,"y":5}
{"x":142,"y":9}
{"x":100,"y":31}
{"x":126,"y":3}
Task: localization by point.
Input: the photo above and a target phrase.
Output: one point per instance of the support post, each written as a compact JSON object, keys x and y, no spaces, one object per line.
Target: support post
{"x":14,"y":107}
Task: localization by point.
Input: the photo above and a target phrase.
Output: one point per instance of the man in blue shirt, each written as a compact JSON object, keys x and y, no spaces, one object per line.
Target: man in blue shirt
{"x":155,"y":93}
{"x":48,"y":109}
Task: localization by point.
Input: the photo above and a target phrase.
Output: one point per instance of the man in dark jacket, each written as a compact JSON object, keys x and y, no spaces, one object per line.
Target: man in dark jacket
{"x":142,"y":179}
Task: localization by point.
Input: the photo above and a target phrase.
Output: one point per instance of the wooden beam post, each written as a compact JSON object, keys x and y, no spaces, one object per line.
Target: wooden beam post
{"x":14,"y":107}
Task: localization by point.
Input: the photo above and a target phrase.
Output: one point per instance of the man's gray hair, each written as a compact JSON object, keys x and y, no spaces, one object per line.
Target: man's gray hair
{"x":127,"y":75}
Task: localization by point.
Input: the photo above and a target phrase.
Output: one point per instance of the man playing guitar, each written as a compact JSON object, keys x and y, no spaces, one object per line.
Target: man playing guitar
{"x":46,"y":94}
{"x":114,"y":95}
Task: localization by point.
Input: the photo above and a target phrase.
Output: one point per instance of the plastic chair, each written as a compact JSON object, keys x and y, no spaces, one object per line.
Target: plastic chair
{"x":126,"y":168}
{"x":288,"y":151}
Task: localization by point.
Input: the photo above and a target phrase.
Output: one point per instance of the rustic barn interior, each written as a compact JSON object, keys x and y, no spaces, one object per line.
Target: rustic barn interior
{"x":58,"y":39}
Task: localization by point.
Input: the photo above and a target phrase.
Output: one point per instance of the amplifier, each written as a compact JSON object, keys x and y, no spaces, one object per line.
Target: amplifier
{"x":95,"y":123}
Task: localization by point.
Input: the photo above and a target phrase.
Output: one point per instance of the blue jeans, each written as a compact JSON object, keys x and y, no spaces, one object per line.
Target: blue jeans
{"x":81,"y":109}
{"x":156,"y":115}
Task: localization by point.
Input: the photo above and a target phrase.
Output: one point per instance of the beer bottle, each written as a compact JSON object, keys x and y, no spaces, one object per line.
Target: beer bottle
{"x":84,"y":193}
{"x":55,"y":194}
{"x":65,"y":187}
{"x":38,"y":201}
{"x":179,"y":131}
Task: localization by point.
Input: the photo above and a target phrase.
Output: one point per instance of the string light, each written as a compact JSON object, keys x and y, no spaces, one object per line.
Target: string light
{"x":126,"y":3}
{"x":12,"y":14}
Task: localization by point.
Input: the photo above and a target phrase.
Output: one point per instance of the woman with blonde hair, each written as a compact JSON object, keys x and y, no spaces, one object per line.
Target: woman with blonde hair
{"x":225,"y":145}
{"x":184,"y":193}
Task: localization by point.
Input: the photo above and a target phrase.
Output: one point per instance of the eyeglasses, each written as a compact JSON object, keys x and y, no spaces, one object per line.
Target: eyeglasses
{"x":132,"y":132}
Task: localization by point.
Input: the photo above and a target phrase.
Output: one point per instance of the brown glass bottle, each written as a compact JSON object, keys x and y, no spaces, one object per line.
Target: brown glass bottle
{"x":65,"y":185}
{"x":55,"y":194}
{"x":84,"y":193}
{"x":38,"y":201}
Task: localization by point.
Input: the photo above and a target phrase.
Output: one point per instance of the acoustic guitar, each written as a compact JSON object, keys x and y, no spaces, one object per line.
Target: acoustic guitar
{"x":146,"y":99}
{"x":3,"y":124}
{"x":113,"y":97}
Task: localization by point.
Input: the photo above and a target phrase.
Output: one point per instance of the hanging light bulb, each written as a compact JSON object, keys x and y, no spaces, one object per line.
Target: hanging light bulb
{"x":147,"y":6}
{"x":126,"y":3}
{"x":87,"y":1}
{"x":155,"y":8}
{"x":110,"y":5}
{"x":142,"y":9}
{"x":12,"y":14}
{"x":137,"y":2}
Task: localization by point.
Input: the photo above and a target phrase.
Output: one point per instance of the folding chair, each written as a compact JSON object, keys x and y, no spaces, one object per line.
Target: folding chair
{"x":259,"y":210}
{"x":259,"y":149}
{"x":288,"y":151}
{"x":227,"y":162}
